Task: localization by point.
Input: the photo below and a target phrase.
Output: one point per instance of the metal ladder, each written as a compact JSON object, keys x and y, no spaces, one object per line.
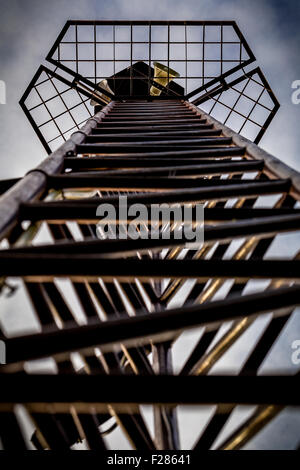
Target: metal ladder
{"x":152,"y":152}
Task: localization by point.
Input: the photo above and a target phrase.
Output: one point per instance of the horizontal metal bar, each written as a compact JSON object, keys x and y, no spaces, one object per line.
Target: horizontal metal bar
{"x":155,"y":326}
{"x":110,"y":147}
{"x":139,"y":106}
{"x":143,"y":161}
{"x":192,"y":170}
{"x":159,"y":98}
{"x":144,"y":118}
{"x":209,"y":152}
{"x":151,"y":122}
{"x":69,"y":209}
{"x":148,"y":113}
{"x":264,"y":222}
{"x":174,"y":106}
{"x":148,"y":130}
{"x":152,"y":22}
{"x":201,"y":141}
{"x":96,"y":180}
{"x":156,"y":125}
{"x":221,"y":192}
{"x":160,"y":389}
{"x":94,"y":265}
{"x":164,"y":111}
{"x":152,"y":136}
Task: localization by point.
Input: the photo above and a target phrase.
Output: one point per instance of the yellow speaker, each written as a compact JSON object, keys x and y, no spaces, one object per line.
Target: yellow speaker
{"x":162,"y":75}
{"x":103,"y":84}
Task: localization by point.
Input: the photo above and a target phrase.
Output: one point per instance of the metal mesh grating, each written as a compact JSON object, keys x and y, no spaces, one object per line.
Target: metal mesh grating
{"x":212,"y":59}
{"x":199,"y":51}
